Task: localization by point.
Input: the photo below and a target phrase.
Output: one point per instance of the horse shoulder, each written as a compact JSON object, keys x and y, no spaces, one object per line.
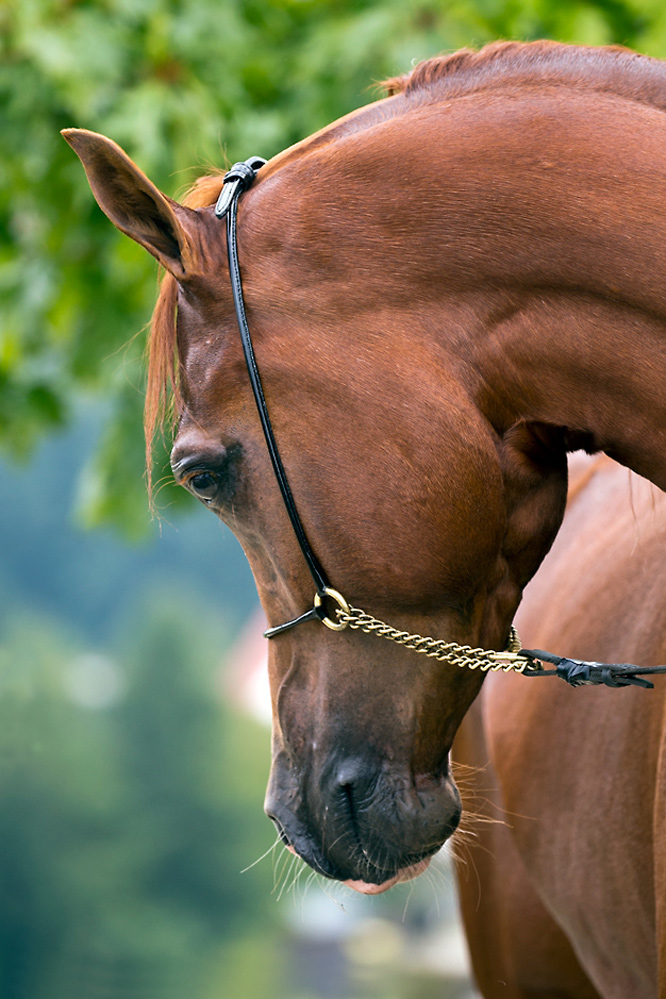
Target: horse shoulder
{"x":581,"y":771}
{"x":517,"y":949}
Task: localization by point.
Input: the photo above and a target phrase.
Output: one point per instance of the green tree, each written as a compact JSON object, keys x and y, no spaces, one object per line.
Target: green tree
{"x":182,"y":85}
{"x":129,"y":811}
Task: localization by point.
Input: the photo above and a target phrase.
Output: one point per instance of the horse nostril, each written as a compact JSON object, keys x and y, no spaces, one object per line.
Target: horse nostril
{"x":352,"y":783}
{"x":347,"y":792}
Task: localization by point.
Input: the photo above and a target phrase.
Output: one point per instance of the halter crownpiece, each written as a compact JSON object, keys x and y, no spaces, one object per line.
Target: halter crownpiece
{"x":238,"y":179}
{"x":574,"y":671}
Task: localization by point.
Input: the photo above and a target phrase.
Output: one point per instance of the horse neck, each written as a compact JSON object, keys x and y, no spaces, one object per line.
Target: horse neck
{"x":573,"y":332}
{"x":528,"y":232}
{"x":594,"y":367}
{"x":571,"y":254}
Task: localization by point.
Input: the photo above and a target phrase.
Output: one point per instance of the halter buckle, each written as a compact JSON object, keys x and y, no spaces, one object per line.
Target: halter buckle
{"x":237,"y":180}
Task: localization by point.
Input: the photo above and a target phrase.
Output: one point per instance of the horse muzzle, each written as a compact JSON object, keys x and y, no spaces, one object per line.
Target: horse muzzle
{"x":368,"y":826}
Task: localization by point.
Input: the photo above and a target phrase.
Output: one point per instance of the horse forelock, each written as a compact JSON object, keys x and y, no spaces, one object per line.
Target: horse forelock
{"x":163,"y":396}
{"x":204,"y":191}
{"x":612,"y":69}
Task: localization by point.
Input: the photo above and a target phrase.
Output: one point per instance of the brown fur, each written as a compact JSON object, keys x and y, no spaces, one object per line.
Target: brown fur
{"x":445,"y":296}
{"x":578,"y":773}
{"x":497,"y":65}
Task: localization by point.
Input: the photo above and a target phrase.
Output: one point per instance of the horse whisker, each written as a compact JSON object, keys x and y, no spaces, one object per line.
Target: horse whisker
{"x":270,"y":849}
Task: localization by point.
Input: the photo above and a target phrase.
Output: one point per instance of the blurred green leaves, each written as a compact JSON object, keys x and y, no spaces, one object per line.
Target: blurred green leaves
{"x":183,"y":86}
{"x":127,"y":819}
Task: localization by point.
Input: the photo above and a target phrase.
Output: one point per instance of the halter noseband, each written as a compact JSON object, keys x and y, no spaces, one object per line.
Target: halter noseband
{"x":576,"y":672}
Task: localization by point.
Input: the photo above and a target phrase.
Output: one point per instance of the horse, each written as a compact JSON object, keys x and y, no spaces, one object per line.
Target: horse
{"x":447,"y":290}
{"x":565,"y":894}
{"x":615,"y":526}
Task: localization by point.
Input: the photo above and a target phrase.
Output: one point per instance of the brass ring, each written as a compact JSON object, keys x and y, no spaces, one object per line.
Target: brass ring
{"x":340,"y":601}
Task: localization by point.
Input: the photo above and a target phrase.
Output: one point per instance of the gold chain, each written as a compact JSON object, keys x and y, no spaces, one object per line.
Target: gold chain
{"x":444,"y":652}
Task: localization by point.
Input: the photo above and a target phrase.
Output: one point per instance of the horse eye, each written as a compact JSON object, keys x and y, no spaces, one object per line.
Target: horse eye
{"x":204,"y":485}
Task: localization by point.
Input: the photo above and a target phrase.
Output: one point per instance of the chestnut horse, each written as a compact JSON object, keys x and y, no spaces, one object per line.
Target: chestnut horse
{"x":447,"y":291}
{"x":565,"y":896}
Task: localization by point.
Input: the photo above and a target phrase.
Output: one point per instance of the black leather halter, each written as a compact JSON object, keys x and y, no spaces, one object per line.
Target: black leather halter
{"x":237,"y":180}
{"x":574,"y":671}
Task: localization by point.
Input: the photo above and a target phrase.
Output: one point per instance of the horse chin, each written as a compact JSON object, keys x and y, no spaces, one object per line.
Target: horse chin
{"x":368,"y":888}
{"x":406,"y":874}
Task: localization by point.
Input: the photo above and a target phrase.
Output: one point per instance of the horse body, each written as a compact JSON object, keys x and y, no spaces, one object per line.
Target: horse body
{"x":580,"y":773}
{"x":447,"y":291}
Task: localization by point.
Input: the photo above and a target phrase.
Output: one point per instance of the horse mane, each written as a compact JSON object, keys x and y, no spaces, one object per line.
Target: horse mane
{"x":611,"y":69}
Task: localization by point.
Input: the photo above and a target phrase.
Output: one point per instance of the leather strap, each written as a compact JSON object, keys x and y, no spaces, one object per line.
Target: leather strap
{"x":237,"y":180}
{"x":581,"y":673}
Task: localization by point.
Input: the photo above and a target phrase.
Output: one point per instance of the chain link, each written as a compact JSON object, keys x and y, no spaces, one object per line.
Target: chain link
{"x":444,"y":652}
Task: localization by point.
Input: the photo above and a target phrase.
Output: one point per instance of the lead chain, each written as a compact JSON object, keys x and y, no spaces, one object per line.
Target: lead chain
{"x":444,"y":652}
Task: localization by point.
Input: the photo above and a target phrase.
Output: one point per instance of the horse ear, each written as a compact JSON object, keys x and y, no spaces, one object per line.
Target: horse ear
{"x":133,"y":203}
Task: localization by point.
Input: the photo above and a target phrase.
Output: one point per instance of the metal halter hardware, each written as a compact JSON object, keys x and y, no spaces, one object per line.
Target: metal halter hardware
{"x":574,"y":671}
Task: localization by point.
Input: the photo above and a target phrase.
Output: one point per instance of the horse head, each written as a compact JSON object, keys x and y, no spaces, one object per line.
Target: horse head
{"x":423,"y":509}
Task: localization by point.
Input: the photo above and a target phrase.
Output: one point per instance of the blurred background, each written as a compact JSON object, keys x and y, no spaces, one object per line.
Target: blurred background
{"x":135,"y":860}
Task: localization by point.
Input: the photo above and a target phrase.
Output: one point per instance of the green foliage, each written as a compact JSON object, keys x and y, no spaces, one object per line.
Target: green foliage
{"x":183,"y":86}
{"x":129,"y":810}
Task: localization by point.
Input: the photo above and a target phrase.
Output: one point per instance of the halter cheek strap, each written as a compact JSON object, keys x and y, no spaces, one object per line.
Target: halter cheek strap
{"x":573,"y":671}
{"x":237,"y":180}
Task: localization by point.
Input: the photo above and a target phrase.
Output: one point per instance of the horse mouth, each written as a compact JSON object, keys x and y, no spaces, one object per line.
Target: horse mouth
{"x":405,"y":874}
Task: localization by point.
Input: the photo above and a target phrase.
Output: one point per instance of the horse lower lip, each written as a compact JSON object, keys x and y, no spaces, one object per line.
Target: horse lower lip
{"x":369,"y":888}
{"x":405,"y":874}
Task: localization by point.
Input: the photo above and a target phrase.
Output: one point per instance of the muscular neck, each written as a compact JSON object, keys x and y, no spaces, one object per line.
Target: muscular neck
{"x":528,"y":240}
{"x":594,"y":367}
